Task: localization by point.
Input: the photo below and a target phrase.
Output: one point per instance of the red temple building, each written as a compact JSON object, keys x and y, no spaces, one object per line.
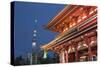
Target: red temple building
{"x":77,"y":38}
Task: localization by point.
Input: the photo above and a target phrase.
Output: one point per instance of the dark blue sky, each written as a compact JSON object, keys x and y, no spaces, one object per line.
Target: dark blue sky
{"x":24,"y":22}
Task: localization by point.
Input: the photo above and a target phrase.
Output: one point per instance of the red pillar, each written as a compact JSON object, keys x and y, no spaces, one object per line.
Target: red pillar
{"x":66,"y":56}
{"x":87,"y":40}
{"x":66,"y":52}
{"x":76,"y":51}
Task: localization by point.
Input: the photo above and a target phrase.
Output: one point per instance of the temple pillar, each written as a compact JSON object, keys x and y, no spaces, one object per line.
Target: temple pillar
{"x":66,"y":56}
{"x":76,"y":54}
{"x":62,"y":57}
{"x":76,"y":51}
{"x":66,"y":53}
{"x":87,"y":40}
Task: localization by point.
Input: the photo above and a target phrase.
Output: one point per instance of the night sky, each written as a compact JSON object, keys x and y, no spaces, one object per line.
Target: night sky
{"x":25,"y":15}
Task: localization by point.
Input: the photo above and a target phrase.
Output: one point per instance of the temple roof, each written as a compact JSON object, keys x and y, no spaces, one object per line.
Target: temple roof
{"x":81,"y":16}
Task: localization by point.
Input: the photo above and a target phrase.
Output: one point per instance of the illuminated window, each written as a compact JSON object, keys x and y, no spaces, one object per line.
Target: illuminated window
{"x":34,"y":35}
{"x":35,"y":20}
{"x":35,"y":31}
{"x":34,"y":44}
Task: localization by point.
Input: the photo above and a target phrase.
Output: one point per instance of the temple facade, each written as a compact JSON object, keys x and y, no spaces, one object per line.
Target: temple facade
{"x":77,"y":38}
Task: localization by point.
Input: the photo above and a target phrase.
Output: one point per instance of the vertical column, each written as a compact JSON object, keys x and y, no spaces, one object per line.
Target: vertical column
{"x":87,"y":40}
{"x":59,"y":53}
{"x":62,"y":56}
{"x":66,"y":56}
{"x":76,"y":54}
{"x":74,"y":44}
{"x":66,"y":53}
